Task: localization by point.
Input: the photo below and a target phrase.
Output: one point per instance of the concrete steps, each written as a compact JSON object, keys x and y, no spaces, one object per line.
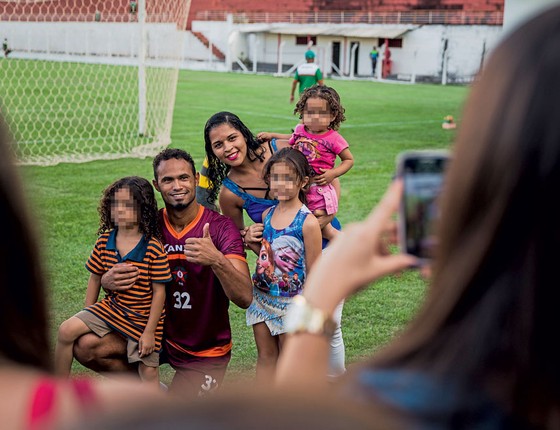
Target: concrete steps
{"x":215,"y":51}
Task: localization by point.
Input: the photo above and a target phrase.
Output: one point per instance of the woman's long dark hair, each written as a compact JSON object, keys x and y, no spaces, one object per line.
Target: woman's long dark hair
{"x":217,"y":170}
{"x":491,"y":316}
{"x":23,"y":319}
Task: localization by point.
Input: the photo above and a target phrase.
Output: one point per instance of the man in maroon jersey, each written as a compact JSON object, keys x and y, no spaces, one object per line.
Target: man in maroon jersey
{"x":207,"y":259}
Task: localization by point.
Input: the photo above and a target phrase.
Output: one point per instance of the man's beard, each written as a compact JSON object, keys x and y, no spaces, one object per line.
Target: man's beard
{"x":180,"y":206}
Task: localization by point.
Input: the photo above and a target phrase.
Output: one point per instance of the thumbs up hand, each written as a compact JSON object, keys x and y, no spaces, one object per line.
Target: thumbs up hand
{"x":206,"y":231}
{"x":201,"y":250}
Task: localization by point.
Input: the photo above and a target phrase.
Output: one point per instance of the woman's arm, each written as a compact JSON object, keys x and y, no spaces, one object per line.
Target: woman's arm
{"x":253,"y":237}
{"x":253,"y":234}
{"x":265,"y":135}
{"x":232,"y":207}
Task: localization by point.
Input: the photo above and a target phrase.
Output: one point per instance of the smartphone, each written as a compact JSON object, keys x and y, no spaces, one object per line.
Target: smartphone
{"x":423,"y":174}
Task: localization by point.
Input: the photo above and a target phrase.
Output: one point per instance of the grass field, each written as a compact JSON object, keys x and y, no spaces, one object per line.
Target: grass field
{"x":382,"y":120}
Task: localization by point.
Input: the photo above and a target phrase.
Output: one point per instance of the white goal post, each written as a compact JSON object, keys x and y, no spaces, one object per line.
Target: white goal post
{"x":89,"y":80}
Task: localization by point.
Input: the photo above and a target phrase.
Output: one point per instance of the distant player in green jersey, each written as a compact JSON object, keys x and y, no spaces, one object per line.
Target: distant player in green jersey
{"x":307,"y":75}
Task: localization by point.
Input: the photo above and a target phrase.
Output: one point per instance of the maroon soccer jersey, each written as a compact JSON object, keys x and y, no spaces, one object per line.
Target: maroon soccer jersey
{"x":197,"y":319}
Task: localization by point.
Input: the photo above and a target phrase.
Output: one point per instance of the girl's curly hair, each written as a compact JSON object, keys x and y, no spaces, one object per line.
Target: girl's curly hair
{"x":217,"y":170}
{"x":144,"y":198}
{"x":330,"y":96}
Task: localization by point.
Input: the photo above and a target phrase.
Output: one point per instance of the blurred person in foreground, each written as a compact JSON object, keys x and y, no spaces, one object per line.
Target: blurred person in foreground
{"x":32,"y":397}
{"x":250,"y":409}
{"x":481,"y":352}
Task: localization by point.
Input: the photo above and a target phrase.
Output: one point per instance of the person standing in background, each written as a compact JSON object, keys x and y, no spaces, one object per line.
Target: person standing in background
{"x":374,"y":55}
{"x":307,"y":75}
{"x":6,"y":48}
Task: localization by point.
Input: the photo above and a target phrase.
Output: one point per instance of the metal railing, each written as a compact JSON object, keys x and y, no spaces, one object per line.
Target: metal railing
{"x":447,"y":17}
{"x":83,"y":17}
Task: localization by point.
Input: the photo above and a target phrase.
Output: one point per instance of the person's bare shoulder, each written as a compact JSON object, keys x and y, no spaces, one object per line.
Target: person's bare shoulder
{"x":228,"y":198}
{"x":311,"y":224}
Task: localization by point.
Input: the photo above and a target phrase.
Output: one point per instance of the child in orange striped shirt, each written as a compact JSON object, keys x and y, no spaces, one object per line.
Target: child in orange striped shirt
{"x":128,"y":233}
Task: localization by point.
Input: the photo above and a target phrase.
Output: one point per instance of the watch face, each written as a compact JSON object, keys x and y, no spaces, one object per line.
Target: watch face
{"x":301,"y":317}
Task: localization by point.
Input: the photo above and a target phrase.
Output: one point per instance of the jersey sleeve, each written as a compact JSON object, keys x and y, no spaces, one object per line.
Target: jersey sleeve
{"x":94,"y":264}
{"x":318,"y":74}
{"x":227,"y":239}
{"x":159,"y":266}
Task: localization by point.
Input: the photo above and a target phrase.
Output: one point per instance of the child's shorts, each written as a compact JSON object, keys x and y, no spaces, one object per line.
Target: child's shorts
{"x":322,"y":197}
{"x":101,"y":328}
{"x":268,"y":309}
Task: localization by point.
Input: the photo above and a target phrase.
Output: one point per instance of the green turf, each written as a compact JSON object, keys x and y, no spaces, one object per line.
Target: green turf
{"x":382,"y":120}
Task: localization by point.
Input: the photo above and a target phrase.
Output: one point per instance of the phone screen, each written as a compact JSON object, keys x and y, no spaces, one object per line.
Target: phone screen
{"x":423,"y":180}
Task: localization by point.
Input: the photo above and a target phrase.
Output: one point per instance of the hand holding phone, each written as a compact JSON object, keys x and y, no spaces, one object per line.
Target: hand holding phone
{"x":423,"y":174}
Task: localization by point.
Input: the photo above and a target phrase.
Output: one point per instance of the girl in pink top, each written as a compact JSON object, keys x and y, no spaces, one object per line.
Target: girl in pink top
{"x":316,"y":137}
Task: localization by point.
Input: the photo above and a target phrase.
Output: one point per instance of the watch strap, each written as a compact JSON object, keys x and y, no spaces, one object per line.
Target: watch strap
{"x":304,"y":318}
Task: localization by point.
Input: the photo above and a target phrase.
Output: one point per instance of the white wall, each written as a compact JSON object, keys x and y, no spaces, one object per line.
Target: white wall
{"x":423,"y":50}
{"x":217,"y":32}
{"x":99,"y":39}
{"x":518,"y":11}
{"x":421,"y":54}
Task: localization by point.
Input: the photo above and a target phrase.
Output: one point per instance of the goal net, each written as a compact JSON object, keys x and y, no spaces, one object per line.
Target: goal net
{"x":85,"y":80}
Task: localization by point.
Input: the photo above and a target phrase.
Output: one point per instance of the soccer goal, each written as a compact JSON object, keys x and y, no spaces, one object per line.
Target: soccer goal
{"x":89,"y":80}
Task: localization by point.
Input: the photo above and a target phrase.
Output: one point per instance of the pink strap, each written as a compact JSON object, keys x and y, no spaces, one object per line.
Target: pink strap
{"x":85,"y":394}
{"x":42,"y":403}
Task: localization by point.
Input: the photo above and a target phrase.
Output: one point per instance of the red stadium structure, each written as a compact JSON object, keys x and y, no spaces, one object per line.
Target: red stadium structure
{"x":77,"y":10}
{"x":363,"y":11}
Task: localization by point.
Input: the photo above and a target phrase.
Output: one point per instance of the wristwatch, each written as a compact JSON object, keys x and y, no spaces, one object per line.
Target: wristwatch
{"x":304,"y":318}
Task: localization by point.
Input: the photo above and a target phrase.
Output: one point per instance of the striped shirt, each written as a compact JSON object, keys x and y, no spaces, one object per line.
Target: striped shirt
{"x":127,"y":312}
